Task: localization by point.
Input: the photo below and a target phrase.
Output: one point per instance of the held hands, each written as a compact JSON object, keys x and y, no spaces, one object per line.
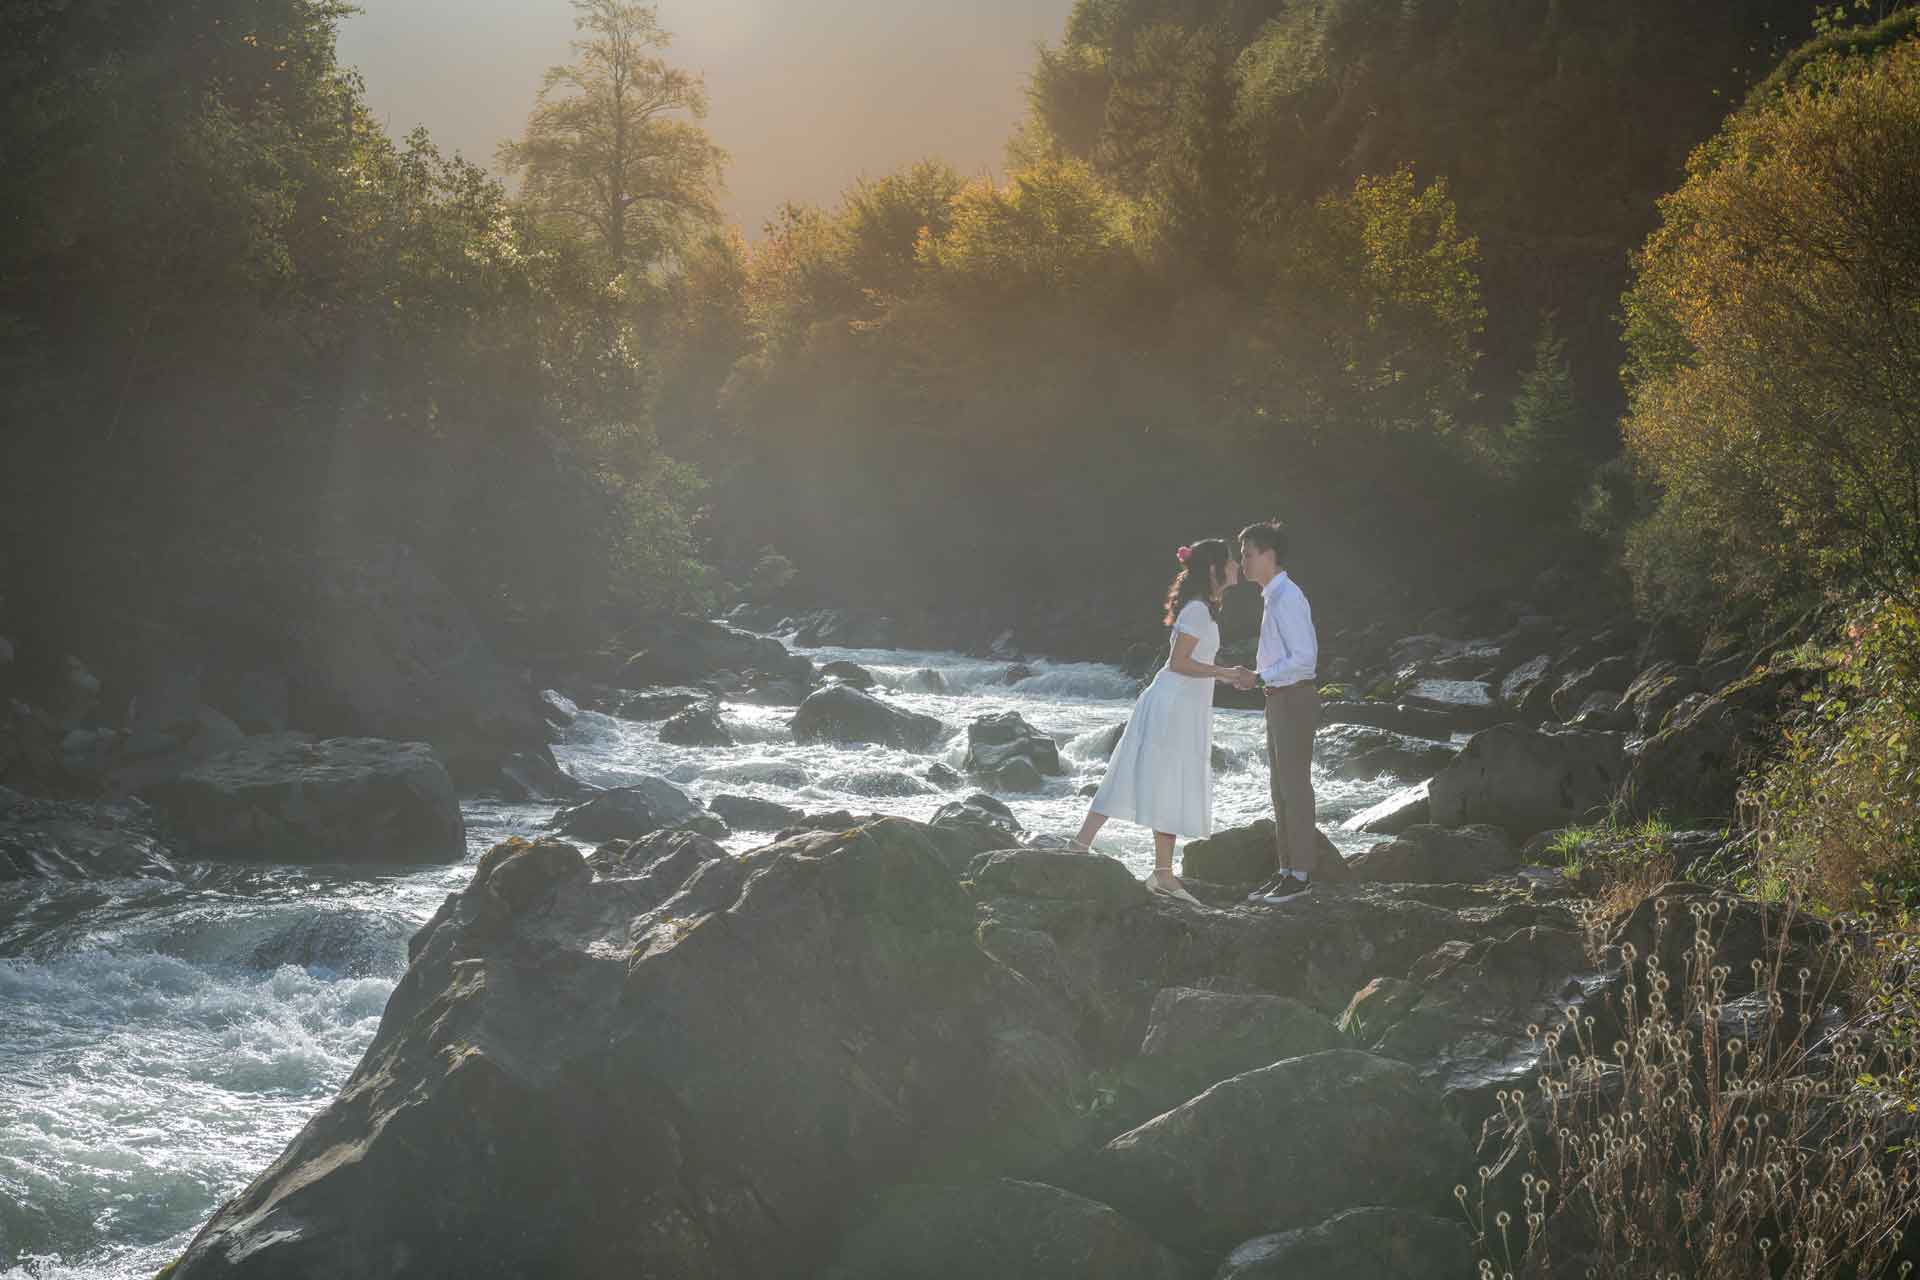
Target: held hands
{"x":1241,"y":678}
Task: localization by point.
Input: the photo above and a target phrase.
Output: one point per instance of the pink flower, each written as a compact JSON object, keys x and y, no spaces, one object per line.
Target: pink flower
{"x":1184,"y":554}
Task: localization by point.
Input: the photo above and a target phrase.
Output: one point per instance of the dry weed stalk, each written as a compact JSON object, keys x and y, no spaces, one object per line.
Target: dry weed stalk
{"x":1718,"y":1137}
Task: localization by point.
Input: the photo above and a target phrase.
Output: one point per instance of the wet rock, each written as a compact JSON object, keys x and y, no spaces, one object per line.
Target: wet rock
{"x":995,"y":742}
{"x":1418,"y":722}
{"x":627,"y":813}
{"x":535,"y":775}
{"x":567,"y":1049}
{"x":879,"y":783}
{"x":850,"y":673}
{"x":1249,"y":854}
{"x":660,"y":704}
{"x":772,"y":773}
{"x":1429,"y":854}
{"x":1378,"y":1005}
{"x":1016,"y":673}
{"x":288,"y":797}
{"x":1609,"y":674}
{"x":1517,"y":688}
{"x":1400,"y":757}
{"x":1033,"y":873}
{"x":1283,"y":1147}
{"x":1528,"y":780}
{"x":662,"y":863}
{"x":1005,"y":1229}
{"x":925,"y":680}
{"x":1601,"y":711}
{"x":696,"y":727}
{"x":1405,"y":808}
{"x":1360,"y":1244}
{"x":943,"y":776}
{"x":1691,"y":770}
{"x":763,"y":689}
{"x":978,"y":810}
{"x":683,"y":650}
{"x":747,"y":813}
{"x":42,"y":839}
{"x":840,"y":714}
{"x":1656,"y":691}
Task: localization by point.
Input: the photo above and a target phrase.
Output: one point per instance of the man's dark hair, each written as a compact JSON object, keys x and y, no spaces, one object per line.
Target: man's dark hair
{"x":1268,"y":536}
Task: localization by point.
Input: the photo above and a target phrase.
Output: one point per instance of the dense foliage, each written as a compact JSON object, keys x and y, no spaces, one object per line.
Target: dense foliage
{"x":1774,"y":325}
{"x":242,"y":324}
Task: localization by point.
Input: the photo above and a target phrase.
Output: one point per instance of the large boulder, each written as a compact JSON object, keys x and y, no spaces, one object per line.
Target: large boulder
{"x":1005,"y":1229}
{"x":1690,"y":771}
{"x":1417,"y":722}
{"x":682,"y":650}
{"x":569,"y":1082}
{"x":1407,"y":807}
{"x":1430,"y":854}
{"x":980,"y":812}
{"x":1283,"y":1147}
{"x":1249,"y":854}
{"x":1006,"y":751}
{"x":844,"y":715}
{"x":43,"y":839}
{"x":1360,"y":1244}
{"x":627,"y":813}
{"x":696,"y":727}
{"x":287,"y":797}
{"x":1609,"y":675}
{"x":378,"y":647}
{"x":750,"y":813}
{"x":1527,"y":779}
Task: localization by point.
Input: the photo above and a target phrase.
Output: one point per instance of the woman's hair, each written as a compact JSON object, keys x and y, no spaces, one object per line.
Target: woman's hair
{"x":1203,"y":560}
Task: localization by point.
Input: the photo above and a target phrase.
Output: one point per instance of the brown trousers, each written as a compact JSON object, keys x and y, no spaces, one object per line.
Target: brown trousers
{"x":1293,"y":713}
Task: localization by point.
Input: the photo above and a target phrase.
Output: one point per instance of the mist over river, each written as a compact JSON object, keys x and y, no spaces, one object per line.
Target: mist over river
{"x":160,"y":1042}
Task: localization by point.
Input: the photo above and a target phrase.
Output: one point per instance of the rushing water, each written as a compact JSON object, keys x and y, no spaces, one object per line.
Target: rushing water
{"x":161,"y":1042}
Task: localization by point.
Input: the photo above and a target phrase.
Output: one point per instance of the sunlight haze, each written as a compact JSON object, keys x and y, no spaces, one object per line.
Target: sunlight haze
{"x":805,"y":98}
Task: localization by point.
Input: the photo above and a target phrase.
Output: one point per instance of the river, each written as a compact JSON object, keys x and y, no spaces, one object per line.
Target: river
{"x":161,"y":1042}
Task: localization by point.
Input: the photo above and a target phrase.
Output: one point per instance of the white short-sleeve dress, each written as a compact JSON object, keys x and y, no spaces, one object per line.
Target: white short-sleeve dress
{"x":1161,"y":774}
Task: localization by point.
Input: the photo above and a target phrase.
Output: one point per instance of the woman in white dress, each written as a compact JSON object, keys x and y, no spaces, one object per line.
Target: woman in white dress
{"x":1161,"y":774}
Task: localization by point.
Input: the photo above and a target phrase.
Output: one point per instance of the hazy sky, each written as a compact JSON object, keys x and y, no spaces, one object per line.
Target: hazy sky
{"x":806,"y":96}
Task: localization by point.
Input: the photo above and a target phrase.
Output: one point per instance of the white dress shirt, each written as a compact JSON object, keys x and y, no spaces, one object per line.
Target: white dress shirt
{"x":1289,"y":649}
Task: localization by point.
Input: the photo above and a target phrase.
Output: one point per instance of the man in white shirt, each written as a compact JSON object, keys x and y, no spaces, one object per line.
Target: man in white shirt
{"x":1289,"y":652}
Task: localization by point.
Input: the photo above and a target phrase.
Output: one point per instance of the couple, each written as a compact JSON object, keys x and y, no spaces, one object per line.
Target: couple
{"x":1161,"y":774}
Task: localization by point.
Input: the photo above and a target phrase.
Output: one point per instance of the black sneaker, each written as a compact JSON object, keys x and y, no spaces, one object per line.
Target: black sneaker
{"x":1288,"y":884}
{"x":1267,"y":886}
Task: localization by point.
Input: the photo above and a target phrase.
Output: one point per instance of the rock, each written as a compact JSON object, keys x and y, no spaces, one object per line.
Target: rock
{"x":1369,"y":1243}
{"x":1377,"y":1006}
{"x":1656,"y":691}
{"x":1016,"y":673}
{"x":1613,"y":673}
{"x":1106,"y":741}
{"x":762,"y":689}
{"x":535,"y":775}
{"x":978,"y":810}
{"x":844,"y":715}
{"x":1467,"y":704}
{"x":1196,"y":1038}
{"x":1404,"y":808}
{"x":42,"y":839}
{"x":1601,"y":711}
{"x":546,"y":1094}
{"x":662,"y":862}
{"x":851,"y":673}
{"x":1005,"y":1229}
{"x":377,"y":647}
{"x":287,"y":797}
{"x":560,"y":710}
{"x":1527,"y":779}
{"x":1419,"y":722}
{"x":1690,"y":771}
{"x":1032,"y":873}
{"x":881,"y":783}
{"x":696,"y":727}
{"x":942,"y":776}
{"x":1402,"y":758}
{"x":1435,"y":855}
{"x":627,"y":813}
{"x":682,"y":650}
{"x":1248,"y":855}
{"x":746,"y":813}
{"x":1516,"y":689}
{"x":1283,"y":1147}
{"x":661,"y":704}
{"x":771,"y":773}
{"x":1008,"y":751}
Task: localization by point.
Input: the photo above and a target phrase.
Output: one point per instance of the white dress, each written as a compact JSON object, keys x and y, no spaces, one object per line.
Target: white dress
{"x":1161,"y":774}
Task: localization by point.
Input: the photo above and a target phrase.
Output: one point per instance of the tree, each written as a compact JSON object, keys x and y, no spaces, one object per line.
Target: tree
{"x":605,"y":152}
{"x":1774,"y":333}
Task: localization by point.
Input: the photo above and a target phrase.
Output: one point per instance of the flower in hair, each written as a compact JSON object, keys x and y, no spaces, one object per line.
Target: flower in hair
{"x":1184,"y":554}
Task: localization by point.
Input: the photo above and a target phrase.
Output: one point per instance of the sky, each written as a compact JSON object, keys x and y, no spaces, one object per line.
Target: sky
{"x":806,"y":96}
